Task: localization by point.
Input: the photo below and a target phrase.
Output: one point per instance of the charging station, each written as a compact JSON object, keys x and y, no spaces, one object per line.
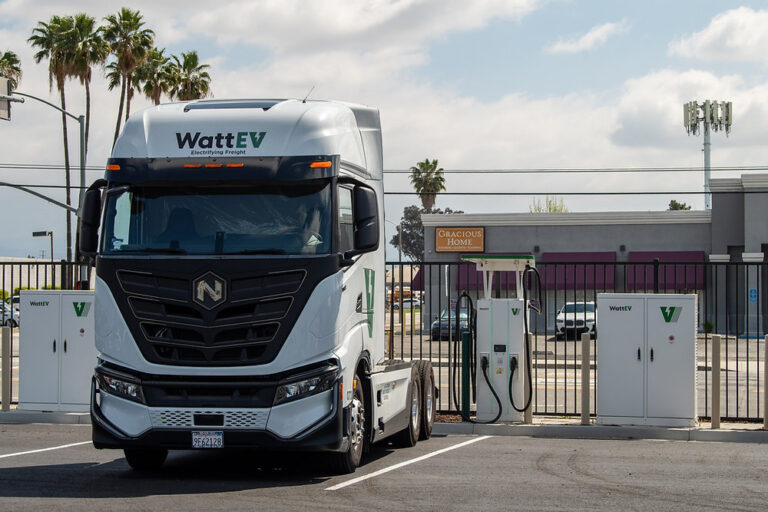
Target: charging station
{"x":501,"y":353}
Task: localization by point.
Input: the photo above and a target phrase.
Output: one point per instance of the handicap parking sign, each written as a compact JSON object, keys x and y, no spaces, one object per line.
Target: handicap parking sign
{"x":753,"y":295}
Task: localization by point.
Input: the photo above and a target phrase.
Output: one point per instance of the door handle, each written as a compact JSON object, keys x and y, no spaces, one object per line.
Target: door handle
{"x":651,"y":354}
{"x":54,"y":344}
{"x":65,"y":344}
{"x":638,"y":353}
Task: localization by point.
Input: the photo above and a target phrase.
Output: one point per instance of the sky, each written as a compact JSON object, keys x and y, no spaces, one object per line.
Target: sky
{"x":486,"y":84}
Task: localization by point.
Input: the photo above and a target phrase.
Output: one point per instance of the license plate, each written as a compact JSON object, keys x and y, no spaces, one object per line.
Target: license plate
{"x":207,"y":439}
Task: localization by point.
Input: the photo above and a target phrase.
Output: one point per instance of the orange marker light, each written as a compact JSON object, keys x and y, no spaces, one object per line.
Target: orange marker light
{"x":192,"y":166}
{"x":113,"y":167}
{"x":320,"y":165}
{"x":235,"y":165}
{"x":213,"y":166}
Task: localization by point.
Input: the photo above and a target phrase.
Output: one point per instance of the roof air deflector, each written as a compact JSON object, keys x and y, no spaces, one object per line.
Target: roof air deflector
{"x":222,"y":104}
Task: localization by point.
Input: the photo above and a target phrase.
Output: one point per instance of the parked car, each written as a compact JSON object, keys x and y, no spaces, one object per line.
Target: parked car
{"x":8,"y":317}
{"x":407,"y":304}
{"x":575,"y":318}
{"x":446,"y":325}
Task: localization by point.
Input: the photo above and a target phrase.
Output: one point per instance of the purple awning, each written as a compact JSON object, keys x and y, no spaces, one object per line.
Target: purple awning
{"x":565,"y":270}
{"x":678,"y":270}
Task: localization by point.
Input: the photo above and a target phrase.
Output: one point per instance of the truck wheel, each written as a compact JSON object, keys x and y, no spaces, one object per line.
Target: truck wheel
{"x":142,"y":460}
{"x":428,"y":402}
{"x":347,"y":461}
{"x":410,"y":434}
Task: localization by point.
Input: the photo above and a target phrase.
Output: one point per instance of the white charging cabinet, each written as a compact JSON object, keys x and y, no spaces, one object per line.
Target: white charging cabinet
{"x":57,"y":353}
{"x":646,"y":366}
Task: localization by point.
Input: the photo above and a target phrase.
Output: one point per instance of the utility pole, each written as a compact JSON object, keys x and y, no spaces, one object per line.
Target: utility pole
{"x":715,"y":116}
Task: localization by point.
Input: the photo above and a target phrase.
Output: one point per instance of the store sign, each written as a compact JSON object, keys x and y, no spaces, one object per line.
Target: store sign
{"x":460,"y":239}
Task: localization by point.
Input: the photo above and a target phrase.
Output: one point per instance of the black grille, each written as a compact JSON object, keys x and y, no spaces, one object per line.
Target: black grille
{"x":264,"y":298}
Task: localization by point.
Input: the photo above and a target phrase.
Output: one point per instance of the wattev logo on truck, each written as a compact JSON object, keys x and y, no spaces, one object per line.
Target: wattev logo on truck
{"x":232,"y":144}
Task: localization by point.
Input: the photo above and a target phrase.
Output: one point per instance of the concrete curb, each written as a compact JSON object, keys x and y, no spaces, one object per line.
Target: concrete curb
{"x":604,"y":432}
{"x":543,"y":431}
{"x":64,"y":418}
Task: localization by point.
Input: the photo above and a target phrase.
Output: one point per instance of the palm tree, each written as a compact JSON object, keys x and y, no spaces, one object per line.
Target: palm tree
{"x":189,"y":80}
{"x":428,"y":181}
{"x":129,"y":43}
{"x":10,"y":68}
{"x":154,"y":75}
{"x":50,"y":39}
{"x":89,"y":49}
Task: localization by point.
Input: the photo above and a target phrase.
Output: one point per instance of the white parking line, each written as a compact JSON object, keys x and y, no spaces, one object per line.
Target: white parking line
{"x":401,"y":464}
{"x":43,"y":449}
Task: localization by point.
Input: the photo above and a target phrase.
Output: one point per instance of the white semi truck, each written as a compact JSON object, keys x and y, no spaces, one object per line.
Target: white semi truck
{"x":239,"y":254}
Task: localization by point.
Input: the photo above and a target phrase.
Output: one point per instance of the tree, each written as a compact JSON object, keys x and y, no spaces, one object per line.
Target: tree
{"x":413,"y":231}
{"x":551,"y":205}
{"x":130,"y":44}
{"x":188,"y":78}
{"x":10,"y":68}
{"x":154,"y":75}
{"x":52,"y":43}
{"x":674,"y":205}
{"x":89,"y":49}
{"x":428,"y":180}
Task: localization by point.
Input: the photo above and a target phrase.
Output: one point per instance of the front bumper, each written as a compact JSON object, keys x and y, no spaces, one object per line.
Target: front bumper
{"x":315,"y":423}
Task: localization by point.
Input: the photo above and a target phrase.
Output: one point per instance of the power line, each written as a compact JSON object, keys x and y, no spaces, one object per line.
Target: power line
{"x":580,"y":170}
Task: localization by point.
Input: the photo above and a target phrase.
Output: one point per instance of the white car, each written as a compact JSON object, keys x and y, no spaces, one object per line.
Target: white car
{"x":8,"y":316}
{"x":575,"y":318}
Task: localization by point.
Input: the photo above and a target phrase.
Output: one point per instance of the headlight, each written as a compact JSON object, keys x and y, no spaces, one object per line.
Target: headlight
{"x":304,"y":388}
{"x":120,"y":387}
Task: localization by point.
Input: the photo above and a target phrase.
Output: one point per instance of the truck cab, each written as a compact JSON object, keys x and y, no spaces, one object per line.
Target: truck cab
{"x":238,"y":247}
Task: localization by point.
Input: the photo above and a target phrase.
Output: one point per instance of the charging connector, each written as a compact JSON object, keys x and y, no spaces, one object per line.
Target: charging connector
{"x":513,"y":364}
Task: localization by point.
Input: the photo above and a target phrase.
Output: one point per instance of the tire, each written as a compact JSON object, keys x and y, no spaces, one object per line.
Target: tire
{"x":143,"y":460}
{"x":347,"y":461}
{"x":410,"y":434}
{"x":428,"y":399}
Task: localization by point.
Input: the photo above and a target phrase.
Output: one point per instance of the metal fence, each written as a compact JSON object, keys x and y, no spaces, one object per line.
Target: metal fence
{"x":731,"y":302}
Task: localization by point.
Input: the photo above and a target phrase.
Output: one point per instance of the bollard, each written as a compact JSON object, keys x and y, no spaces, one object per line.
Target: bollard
{"x":716,"y":342}
{"x":5,"y":396}
{"x":585,"y":357}
{"x":528,"y":414}
{"x":391,"y":343}
{"x":765,"y":382}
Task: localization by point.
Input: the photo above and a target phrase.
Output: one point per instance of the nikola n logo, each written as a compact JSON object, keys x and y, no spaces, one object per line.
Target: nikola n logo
{"x":515,"y":311}
{"x":370,"y":276}
{"x":671,"y":314}
{"x":209,"y":290}
{"x":82,"y":308}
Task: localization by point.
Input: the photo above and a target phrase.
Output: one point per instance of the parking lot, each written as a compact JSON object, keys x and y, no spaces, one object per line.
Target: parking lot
{"x":444,"y":473}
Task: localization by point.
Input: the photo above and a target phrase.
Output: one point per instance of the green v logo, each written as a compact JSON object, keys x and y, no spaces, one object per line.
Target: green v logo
{"x":515,"y":311}
{"x":82,"y":308}
{"x":671,"y":314}
{"x":370,"y":278}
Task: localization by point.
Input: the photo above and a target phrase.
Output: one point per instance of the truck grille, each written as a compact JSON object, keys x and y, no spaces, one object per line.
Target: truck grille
{"x":232,"y":418}
{"x":264,"y":297}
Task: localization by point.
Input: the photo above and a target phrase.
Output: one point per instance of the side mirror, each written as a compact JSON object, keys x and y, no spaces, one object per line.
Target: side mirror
{"x":90,"y":219}
{"x":366,"y":220}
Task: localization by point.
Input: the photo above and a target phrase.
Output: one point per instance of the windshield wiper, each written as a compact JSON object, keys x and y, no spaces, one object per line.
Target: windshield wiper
{"x":161,"y":250}
{"x":272,"y":250}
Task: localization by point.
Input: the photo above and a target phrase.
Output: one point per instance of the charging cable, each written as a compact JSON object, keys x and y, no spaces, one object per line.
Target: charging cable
{"x":513,"y":362}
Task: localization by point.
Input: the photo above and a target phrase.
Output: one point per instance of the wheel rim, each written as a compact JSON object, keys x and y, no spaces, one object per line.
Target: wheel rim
{"x":415,"y":408}
{"x":429,"y":403}
{"x":357,"y":424}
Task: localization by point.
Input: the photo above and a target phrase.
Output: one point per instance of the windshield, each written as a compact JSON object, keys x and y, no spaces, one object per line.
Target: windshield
{"x":580,"y":308}
{"x":206,"y":219}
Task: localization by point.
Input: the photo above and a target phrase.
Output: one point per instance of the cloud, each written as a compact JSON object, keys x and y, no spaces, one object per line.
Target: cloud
{"x":738,"y":34}
{"x":597,"y":36}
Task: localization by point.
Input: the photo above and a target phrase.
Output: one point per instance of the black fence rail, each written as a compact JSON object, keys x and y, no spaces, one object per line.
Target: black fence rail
{"x":731,"y":303}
